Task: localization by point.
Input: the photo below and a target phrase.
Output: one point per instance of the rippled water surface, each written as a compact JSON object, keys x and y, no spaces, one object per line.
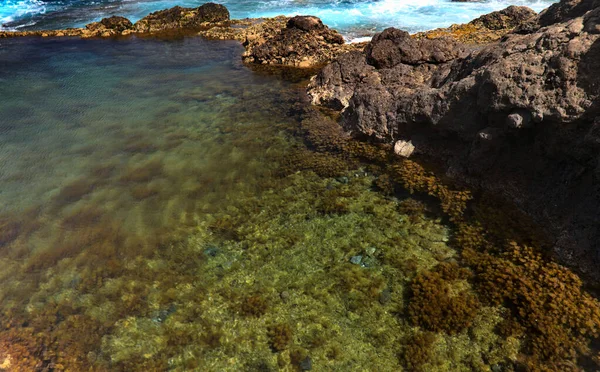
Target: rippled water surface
{"x":354,"y":18}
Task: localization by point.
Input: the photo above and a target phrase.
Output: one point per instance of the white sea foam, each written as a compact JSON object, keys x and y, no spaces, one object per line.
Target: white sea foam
{"x":11,"y":10}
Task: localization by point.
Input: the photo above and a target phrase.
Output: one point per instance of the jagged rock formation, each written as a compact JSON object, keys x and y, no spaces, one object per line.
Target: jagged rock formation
{"x":304,"y":42}
{"x":182,"y":18}
{"x":485,"y":29}
{"x":177,"y":18}
{"x":520,"y":117}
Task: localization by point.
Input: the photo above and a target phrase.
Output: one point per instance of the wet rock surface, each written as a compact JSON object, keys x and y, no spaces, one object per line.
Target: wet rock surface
{"x":517,"y":117}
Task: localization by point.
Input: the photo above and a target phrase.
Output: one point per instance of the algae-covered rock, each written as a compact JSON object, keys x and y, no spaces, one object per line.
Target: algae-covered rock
{"x":487,"y":28}
{"x":182,"y":18}
{"x":304,"y":42}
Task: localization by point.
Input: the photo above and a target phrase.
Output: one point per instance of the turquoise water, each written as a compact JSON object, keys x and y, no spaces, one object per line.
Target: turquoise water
{"x":353,"y":18}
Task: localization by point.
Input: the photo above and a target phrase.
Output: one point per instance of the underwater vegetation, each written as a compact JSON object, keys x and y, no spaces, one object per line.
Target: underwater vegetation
{"x":280,"y":336}
{"x":557,"y":319}
{"x":545,"y":306}
{"x":438,"y":304}
{"x":219,"y":235}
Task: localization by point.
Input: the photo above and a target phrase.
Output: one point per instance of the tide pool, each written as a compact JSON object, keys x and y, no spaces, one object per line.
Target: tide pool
{"x":158,"y":212}
{"x":165,"y":207}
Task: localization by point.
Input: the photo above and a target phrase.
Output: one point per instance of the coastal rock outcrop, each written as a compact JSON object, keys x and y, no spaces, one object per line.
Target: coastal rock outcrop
{"x":519,"y":117}
{"x":110,"y":26}
{"x":304,"y":42}
{"x":487,"y":28}
{"x":177,"y":18}
{"x":182,"y":18}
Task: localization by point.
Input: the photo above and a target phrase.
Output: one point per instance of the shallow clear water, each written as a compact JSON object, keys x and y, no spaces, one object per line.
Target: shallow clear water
{"x":162,"y":207}
{"x":352,"y":18}
{"x":115,"y":127}
{"x":156,"y":215}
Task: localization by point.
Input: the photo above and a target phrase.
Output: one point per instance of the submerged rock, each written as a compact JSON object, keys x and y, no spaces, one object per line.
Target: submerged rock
{"x":356,"y":260}
{"x":511,"y":117}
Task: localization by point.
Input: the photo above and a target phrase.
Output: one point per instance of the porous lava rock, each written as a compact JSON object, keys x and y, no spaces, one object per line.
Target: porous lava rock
{"x":110,"y":26}
{"x":520,"y":117}
{"x":304,"y":42}
{"x":487,"y":28}
{"x":183,"y":18}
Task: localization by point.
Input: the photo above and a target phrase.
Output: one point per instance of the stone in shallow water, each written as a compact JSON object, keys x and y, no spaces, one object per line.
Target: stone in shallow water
{"x":356,"y":260}
{"x":306,"y":364}
{"x":211,"y":251}
{"x":343,"y":180}
{"x":369,"y":262}
{"x":385,"y":296}
{"x":404,"y":148}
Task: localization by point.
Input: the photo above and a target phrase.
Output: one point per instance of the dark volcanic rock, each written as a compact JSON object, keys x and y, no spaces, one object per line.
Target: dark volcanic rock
{"x":520,"y":117}
{"x":566,"y":10}
{"x":393,"y":47}
{"x":508,"y":18}
{"x":114,"y":25}
{"x":182,"y":18}
{"x":211,"y":12}
{"x":304,"y":42}
{"x":117,"y":23}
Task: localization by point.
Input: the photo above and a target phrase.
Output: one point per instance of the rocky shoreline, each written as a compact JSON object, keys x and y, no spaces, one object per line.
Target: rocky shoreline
{"x":519,"y":117}
{"x":507,"y":103}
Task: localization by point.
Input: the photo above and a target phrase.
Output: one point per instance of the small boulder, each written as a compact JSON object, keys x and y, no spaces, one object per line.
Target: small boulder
{"x":211,"y":12}
{"x":117,"y":23}
{"x":519,"y":119}
{"x":404,"y":148}
{"x":305,"y":23}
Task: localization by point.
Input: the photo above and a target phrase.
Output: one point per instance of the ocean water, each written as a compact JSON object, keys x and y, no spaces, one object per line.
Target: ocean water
{"x":354,"y":18}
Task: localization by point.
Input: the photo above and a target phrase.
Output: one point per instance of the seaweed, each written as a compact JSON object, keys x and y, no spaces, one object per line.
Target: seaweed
{"x":435,"y":307}
{"x":255,"y":305}
{"x":280,"y":336}
{"x":418,"y":351}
